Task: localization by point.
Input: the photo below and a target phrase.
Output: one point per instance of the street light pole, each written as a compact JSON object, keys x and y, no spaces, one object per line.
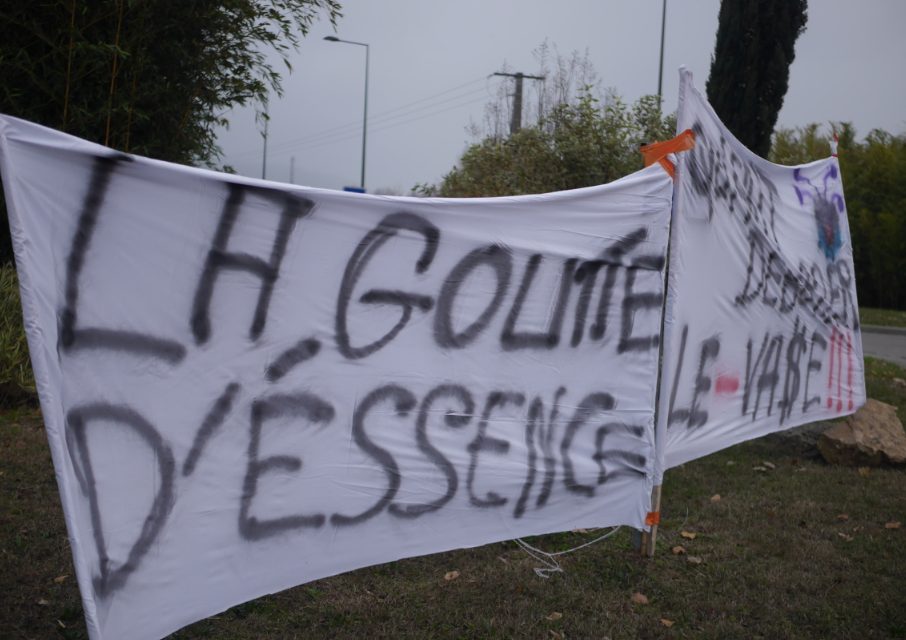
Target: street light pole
{"x":660,"y":70}
{"x":365,"y":113}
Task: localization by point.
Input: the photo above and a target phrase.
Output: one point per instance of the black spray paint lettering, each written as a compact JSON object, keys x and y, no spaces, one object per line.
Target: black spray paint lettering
{"x":763,"y":371}
{"x":796,"y":347}
{"x":293,"y":208}
{"x":631,"y":463}
{"x":539,"y":433}
{"x":584,"y":274}
{"x":511,"y":339}
{"x":71,"y":335}
{"x":77,"y":419}
{"x":500,"y":260}
{"x":814,"y":366}
{"x":535,"y":416}
{"x":313,"y":410}
{"x":407,"y":301}
{"x":484,"y":442}
{"x":760,"y":374}
{"x":300,"y":410}
{"x":719,"y":175}
{"x":825,"y":293}
{"x":693,"y":416}
{"x":300,"y":352}
{"x":209,"y":426}
{"x":546,"y":434}
{"x":710,"y":348}
{"x":614,"y":257}
{"x":590,"y":404}
{"x":632,"y":303}
{"x":454,"y":419}
{"x":403,"y":402}
{"x":773,"y":361}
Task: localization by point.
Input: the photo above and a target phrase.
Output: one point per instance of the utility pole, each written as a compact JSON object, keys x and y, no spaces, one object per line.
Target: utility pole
{"x":516,"y":122}
{"x":264,"y":135}
{"x":292,"y":169}
{"x":660,"y":69}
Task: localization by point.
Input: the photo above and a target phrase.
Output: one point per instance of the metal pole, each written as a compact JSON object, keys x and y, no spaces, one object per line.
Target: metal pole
{"x":365,"y":117}
{"x":660,"y":71}
{"x":264,"y":158}
{"x":365,"y":113}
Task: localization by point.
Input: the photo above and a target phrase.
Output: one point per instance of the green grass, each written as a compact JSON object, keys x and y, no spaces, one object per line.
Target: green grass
{"x":777,"y":562}
{"x":17,"y":384}
{"x":882,"y":317}
{"x":880,"y":384}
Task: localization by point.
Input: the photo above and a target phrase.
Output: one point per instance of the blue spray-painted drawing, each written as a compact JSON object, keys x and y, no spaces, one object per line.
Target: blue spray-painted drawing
{"x":828,"y":207}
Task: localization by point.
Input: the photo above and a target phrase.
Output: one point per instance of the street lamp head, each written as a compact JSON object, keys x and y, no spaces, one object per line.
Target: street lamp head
{"x":331,"y":38}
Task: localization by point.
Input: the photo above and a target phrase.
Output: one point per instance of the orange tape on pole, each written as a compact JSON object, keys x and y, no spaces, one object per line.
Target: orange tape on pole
{"x":657,"y":151}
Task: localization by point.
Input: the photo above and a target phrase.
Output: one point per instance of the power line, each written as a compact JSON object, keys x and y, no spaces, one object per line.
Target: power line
{"x":378,"y":120}
{"x":354,"y":134}
{"x":351,"y":127}
{"x":318,"y":137}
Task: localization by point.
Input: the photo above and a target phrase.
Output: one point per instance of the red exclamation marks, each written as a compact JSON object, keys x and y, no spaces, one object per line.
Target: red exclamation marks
{"x":830,"y":370}
{"x":838,"y":342}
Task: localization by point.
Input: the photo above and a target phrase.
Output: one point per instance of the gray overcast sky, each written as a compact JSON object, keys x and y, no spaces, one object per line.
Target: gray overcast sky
{"x":849,"y":66}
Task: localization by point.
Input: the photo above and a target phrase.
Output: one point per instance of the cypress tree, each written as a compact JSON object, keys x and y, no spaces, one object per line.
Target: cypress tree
{"x":750,"y":69}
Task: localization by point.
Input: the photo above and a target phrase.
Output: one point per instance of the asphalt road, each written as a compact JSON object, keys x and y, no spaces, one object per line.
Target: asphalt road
{"x":887,"y":343}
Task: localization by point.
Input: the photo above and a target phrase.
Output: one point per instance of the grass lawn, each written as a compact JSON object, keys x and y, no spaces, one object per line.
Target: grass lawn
{"x":797,"y":551}
{"x":882,"y":317}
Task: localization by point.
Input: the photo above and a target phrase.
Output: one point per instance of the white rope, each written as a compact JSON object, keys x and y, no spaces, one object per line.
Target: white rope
{"x":549,"y":560}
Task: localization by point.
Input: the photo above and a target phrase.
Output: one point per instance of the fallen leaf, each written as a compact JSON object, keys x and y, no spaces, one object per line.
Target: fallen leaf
{"x":43,"y":602}
{"x":678,"y":550}
{"x":688,"y":535}
{"x":715,"y":497}
{"x":864,"y":471}
{"x":892,"y":525}
{"x":639,"y":598}
{"x":60,"y":579}
{"x":843,"y":517}
{"x":693,"y":560}
{"x":451,"y":575}
{"x":555,"y":615}
{"x":845,"y":536}
{"x":769,"y":465}
{"x":667,"y":623}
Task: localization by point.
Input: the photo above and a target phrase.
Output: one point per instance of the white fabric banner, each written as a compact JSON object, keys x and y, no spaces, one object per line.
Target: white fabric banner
{"x":761,"y":328}
{"x":248,"y":385}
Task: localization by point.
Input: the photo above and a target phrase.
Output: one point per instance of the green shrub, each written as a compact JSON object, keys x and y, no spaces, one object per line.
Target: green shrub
{"x":17,"y":383}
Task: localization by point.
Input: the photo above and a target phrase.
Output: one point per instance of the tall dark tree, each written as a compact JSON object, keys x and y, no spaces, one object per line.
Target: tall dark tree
{"x":750,"y":70}
{"x":151,"y":77}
